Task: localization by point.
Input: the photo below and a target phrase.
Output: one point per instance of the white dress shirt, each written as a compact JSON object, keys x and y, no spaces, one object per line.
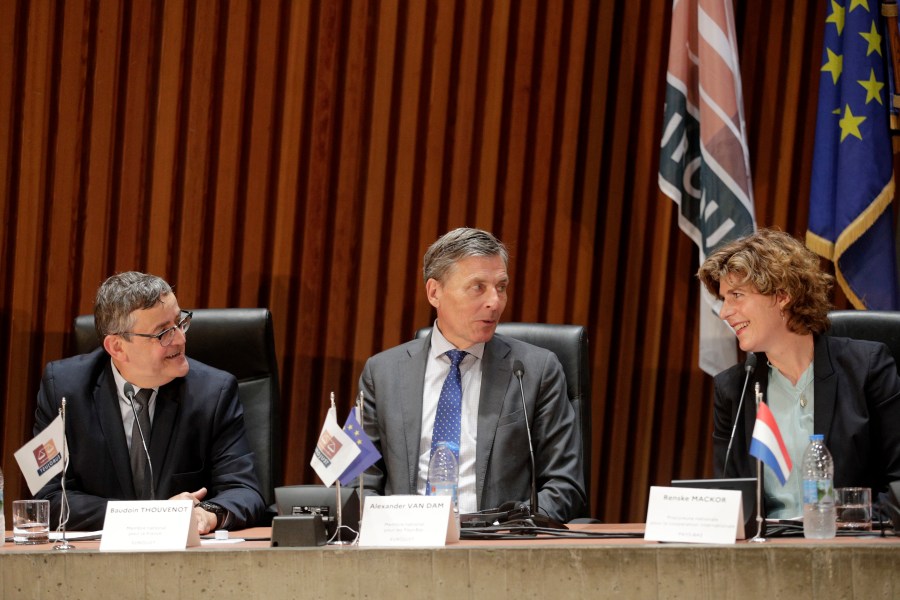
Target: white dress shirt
{"x":436,"y":370}
{"x":125,"y":404}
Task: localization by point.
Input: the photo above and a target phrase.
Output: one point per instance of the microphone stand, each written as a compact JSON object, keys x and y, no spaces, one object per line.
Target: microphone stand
{"x":760,"y":536}
{"x":64,"y":544}
{"x":750,"y":367}
{"x":535,"y":518}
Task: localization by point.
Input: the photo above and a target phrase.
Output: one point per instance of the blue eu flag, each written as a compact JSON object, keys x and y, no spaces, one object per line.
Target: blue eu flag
{"x":850,"y":216}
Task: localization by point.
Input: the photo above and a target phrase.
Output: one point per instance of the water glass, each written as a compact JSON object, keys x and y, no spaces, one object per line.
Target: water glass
{"x":854,"y":508}
{"x":31,"y":521}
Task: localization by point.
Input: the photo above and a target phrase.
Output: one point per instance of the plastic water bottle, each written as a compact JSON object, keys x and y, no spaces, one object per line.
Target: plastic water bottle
{"x":818,"y":490}
{"x":443,"y":473}
{"x":2,"y":514}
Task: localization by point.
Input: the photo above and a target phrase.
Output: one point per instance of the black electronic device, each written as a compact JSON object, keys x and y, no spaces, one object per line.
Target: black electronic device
{"x":745,"y":485}
{"x":294,"y":500}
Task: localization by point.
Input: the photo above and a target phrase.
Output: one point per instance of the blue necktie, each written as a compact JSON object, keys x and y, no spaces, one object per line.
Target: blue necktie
{"x":449,"y":410}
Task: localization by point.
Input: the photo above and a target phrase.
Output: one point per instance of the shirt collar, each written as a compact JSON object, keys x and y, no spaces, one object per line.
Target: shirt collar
{"x":440,"y":345}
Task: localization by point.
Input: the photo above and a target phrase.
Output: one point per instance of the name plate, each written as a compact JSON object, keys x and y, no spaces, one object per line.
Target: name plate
{"x":149,"y":525}
{"x":408,"y":521}
{"x":695,"y":515}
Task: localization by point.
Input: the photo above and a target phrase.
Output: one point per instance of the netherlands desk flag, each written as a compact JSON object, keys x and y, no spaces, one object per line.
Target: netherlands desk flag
{"x":334,"y":450}
{"x":368,"y":453}
{"x":850,"y":216}
{"x":704,"y":164}
{"x":767,"y":444}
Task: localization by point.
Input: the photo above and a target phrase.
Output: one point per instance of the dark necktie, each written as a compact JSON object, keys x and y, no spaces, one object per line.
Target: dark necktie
{"x":449,"y":410}
{"x":139,"y":470}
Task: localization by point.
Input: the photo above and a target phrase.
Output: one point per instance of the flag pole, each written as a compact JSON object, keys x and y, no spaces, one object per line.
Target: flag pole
{"x":63,"y":544}
{"x":760,"y":522}
{"x":336,"y":538}
{"x":360,"y":405}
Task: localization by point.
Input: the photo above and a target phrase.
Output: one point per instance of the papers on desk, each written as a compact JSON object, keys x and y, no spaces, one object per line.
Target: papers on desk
{"x":73,"y":536}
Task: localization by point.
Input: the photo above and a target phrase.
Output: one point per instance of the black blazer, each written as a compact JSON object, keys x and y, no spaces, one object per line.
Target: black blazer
{"x":857,"y":396}
{"x":197,"y":440}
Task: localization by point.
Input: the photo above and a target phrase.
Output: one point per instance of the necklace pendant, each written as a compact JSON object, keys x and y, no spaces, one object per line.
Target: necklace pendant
{"x":802,"y":401}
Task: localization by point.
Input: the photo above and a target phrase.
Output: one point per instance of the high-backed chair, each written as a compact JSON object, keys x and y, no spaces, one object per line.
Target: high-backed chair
{"x":873,"y":325}
{"x":570,"y":344}
{"x":242,"y":342}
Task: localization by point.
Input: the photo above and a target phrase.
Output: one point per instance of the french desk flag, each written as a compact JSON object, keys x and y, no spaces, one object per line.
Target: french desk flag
{"x":767,"y":444}
{"x":41,"y":459}
{"x":335,"y":450}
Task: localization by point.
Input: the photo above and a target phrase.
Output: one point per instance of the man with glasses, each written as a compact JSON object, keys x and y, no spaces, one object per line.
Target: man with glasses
{"x":143,"y":421}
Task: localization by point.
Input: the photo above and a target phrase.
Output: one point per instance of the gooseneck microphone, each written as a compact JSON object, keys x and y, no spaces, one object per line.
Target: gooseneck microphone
{"x":519,"y":372}
{"x":129,"y":393}
{"x":749,"y":367}
{"x":536,"y":519}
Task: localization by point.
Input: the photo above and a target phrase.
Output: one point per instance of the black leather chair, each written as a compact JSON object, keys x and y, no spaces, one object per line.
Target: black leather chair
{"x":242,"y":342}
{"x":570,"y":344}
{"x":873,"y":325}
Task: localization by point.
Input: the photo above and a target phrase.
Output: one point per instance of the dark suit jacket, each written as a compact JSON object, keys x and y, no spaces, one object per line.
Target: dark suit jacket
{"x":857,"y":408}
{"x":393,"y":382}
{"x":197,"y":440}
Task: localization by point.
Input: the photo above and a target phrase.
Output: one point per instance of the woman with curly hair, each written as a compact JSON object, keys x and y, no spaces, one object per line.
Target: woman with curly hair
{"x":776,"y":299}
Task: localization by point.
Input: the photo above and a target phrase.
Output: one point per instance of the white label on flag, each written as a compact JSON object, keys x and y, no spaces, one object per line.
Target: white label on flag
{"x":41,"y":459}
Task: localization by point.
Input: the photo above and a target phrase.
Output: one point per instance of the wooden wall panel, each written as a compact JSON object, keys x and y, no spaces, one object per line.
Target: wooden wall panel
{"x":302,"y":155}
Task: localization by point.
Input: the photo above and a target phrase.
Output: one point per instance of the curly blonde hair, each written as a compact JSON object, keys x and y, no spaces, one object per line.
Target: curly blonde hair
{"x":773,"y":261}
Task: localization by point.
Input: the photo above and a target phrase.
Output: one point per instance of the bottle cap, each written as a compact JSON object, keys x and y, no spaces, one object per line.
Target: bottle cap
{"x":816,"y":437}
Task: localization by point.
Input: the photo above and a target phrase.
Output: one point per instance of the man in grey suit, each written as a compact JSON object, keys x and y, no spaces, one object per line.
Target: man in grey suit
{"x":473,"y":402}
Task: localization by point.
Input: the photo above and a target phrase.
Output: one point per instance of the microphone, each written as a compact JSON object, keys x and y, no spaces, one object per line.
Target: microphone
{"x":129,"y":393}
{"x":536,"y":518}
{"x":749,"y":367}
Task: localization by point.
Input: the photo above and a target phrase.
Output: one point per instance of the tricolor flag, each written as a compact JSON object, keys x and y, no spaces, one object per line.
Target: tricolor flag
{"x":368,"y":453}
{"x":850,"y":216}
{"x":41,"y":459}
{"x":334,"y":450}
{"x":704,"y":163}
{"x":767,"y":444}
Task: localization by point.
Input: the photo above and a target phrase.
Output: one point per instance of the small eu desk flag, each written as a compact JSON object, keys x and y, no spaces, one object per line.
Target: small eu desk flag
{"x":850,"y":217}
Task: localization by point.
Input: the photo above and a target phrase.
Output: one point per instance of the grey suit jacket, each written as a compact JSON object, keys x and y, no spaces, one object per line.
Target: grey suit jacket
{"x":393,"y":384}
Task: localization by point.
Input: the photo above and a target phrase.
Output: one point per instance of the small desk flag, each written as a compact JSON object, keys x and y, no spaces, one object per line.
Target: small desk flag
{"x":368,"y":454}
{"x":334,"y":450}
{"x":767,"y":444}
{"x":41,"y":459}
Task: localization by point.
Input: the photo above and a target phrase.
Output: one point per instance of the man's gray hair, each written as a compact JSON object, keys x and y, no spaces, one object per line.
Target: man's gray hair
{"x":459,"y":244}
{"x":121,"y":295}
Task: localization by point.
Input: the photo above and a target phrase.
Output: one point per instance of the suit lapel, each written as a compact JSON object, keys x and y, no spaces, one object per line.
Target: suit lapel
{"x":825,"y":387}
{"x":412,"y":387}
{"x":109,"y":414}
{"x":496,"y":373}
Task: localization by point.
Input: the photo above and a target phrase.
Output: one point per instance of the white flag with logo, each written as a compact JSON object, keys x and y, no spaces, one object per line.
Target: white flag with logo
{"x":704,"y":161}
{"x":334,"y":450}
{"x":41,"y":459}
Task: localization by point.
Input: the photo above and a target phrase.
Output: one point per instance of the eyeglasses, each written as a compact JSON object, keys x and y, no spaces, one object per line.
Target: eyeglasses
{"x":166,"y":336}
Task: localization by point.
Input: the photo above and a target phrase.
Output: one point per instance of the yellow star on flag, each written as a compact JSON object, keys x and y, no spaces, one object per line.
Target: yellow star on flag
{"x":836,"y":16}
{"x":873,"y":87}
{"x":874,"y":39}
{"x":863,"y":3}
{"x":835,"y":65}
{"x":850,"y":124}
